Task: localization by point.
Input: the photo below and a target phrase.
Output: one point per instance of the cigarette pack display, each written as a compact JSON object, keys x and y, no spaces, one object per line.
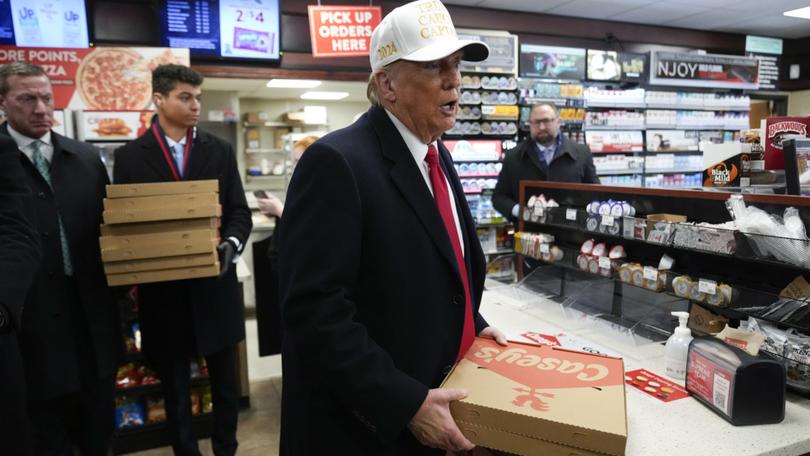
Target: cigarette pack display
{"x":528,"y":399}
{"x":743,"y":389}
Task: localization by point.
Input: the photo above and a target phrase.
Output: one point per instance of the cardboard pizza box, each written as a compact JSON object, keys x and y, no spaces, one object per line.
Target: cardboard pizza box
{"x":183,"y":200}
{"x":135,"y":278}
{"x":156,"y":264}
{"x":128,"y":229}
{"x":162,"y":188}
{"x":201,"y":243}
{"x":162,"y":213}
{"x":540,"y":400}
{"x":136,"y":241}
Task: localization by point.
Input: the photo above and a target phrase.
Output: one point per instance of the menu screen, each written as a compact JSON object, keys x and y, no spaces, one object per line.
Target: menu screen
{"x":245,"y":29}
{"x":44,"y":23}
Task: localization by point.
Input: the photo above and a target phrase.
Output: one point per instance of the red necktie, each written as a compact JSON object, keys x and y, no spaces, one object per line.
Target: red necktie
{"x":442,"y":196}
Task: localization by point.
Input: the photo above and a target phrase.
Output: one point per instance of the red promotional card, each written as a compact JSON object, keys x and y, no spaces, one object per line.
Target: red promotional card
{"x":542,"y":339}
{"x":655,"y":386}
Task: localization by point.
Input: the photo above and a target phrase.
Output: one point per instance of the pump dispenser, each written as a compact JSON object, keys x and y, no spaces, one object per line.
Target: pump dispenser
{"x":677,"y":348}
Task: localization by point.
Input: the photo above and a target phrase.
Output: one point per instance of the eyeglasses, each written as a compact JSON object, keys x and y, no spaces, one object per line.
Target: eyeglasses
{"x":538,"y":122}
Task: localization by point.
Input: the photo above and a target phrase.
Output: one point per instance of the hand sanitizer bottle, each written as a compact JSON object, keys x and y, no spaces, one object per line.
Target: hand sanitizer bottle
{"x":677,"y":348}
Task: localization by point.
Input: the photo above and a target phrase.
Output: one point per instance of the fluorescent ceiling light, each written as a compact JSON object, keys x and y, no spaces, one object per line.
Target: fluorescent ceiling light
{"x":803,"y":13}
{"x":314,"y":95}
{"x":293,"y":83}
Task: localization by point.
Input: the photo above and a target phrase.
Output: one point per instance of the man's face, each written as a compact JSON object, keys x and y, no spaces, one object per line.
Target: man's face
{"x":426,"y":95}
{"x":544,"y":125}
{"x":29,"y":105}
{"x":181,"y":106}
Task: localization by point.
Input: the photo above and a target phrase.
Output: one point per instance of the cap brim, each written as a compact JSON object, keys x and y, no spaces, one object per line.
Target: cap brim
{"x":474,"y":51}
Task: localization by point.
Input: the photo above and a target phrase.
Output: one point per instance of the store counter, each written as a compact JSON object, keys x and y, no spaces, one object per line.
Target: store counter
{"x":680,"y":427}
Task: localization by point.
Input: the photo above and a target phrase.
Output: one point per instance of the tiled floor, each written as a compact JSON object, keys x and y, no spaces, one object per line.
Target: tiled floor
{"x":258,"y":430}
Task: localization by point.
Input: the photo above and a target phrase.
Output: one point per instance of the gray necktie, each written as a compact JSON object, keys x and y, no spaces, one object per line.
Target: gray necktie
{"x":44,"y":168}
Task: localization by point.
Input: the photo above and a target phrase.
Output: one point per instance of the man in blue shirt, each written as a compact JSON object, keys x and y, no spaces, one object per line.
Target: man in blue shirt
{"x":544,"y":155}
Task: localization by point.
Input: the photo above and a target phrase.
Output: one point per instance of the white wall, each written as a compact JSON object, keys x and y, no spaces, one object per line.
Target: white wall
{"x":799,"y":103}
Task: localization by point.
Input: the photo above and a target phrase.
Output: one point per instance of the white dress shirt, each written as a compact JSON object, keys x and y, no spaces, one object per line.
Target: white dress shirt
{"x":26,"y":144}
{"x":419,"y":152}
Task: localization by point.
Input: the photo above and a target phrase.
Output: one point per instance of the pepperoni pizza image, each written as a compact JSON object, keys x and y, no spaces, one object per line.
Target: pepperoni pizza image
{"x":118,"y":78}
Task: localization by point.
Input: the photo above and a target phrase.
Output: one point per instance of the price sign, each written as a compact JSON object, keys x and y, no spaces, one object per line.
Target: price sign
{"x":607,"y":220}
{"x":650,"y":273}
{"x":538,"y":210}
{"x":707,"y":286}
{"x":604,"y":263}
{"x":571,"y":214}
{"x":544,"y":248}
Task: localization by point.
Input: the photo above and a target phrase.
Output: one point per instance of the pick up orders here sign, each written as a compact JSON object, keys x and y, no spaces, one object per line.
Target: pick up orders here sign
{"x":342,"y":31}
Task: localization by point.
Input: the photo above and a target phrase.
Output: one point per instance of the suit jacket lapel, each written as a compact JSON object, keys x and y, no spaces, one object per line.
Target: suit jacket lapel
{"x":153,"y":156}
{"x":197,"y":157}
{"x":408,"y":179}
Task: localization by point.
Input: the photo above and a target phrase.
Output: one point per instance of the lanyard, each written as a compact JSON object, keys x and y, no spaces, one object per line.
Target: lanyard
{"x":161,"y":142}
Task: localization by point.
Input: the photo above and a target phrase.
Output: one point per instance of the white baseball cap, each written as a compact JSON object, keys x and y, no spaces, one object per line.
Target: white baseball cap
{"x":420,"y":31}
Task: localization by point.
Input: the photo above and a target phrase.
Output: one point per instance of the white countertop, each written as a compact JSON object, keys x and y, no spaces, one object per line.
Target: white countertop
{"x":681,"y":427}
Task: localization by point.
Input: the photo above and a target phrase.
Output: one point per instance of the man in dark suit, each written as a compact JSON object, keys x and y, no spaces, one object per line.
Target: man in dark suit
{"x":70,"y":334}
{"x":545,"y":155}
{"x":19,"y":260}
{"x":381,"y":272}
{"x":181,"y":320}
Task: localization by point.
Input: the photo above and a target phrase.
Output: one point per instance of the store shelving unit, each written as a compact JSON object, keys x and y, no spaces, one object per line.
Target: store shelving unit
{"x":755,"y":279}
{"x":658,"y":118}
{"x":148,"y":435}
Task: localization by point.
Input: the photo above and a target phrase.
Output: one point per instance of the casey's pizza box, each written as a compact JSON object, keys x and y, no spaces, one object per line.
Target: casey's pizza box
{"x":135,"y":278}
{"x":540,"y":400}
{"x":156,"y":232}
{"x":162,"y":188}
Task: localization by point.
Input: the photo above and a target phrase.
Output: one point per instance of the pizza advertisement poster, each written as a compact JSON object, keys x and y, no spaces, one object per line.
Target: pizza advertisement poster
{"x":102,"y":78}
{"x":113,"y":125}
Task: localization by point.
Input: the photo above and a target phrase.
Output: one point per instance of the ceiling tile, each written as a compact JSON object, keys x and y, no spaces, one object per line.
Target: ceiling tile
{"x":711,"y":19}
{"x":658,"y":14}
{"x":533,"y":6}
{"x":462,"y":2}
{"x":590,"y":9}
{"x":767,"y":7}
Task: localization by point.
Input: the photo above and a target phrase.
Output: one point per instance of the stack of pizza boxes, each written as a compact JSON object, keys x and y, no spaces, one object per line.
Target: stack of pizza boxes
{"x":160,"y":231}
{"x":540,"y":400}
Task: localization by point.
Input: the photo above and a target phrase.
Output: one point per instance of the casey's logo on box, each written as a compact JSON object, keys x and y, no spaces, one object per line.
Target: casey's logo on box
{"x":544,"y":368}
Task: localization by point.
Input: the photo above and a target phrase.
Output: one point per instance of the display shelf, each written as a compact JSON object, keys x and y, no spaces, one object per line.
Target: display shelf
{"x":673,"y":171}
{"x":615,"y":105}
{"x":154,"y":435}
{"x":618,"y":172}
{"x":614,"y":127}
{"x":492,"y":224}
{"x":468,"y":176}
{"x":263,"y":151}
{"x":655,"y":152}
{"x":744,"y":266}
{"x":676,"y":107}
{"x":156,"y":387}
{"x":499,"y":252}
